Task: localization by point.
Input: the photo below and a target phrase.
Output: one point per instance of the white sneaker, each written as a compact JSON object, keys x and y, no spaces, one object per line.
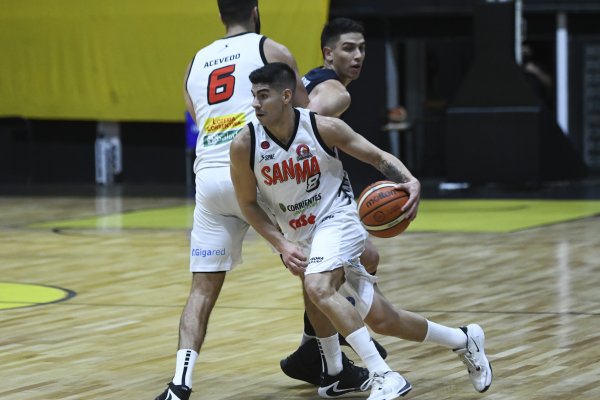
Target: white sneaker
{"x":388,"y":386}
{"x":473,"y":356}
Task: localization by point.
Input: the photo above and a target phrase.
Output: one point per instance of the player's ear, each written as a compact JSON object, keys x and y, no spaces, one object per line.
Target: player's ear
{"x":256,"y":20}
{"x":287,"y":96}
{"x":328,"y":54}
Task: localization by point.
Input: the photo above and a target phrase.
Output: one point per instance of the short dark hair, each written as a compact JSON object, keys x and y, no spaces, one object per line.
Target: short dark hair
{"x":337,"y":27}
{"x":236,"y":11}
{"x":278,"y":75}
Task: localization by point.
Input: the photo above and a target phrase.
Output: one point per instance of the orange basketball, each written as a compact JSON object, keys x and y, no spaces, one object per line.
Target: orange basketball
{"x":379,"y":208}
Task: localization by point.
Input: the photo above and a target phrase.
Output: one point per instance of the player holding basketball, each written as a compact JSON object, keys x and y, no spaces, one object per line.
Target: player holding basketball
{"x":291,"y":157}
{"x":343,"y":48}
{"x":217,"y":95}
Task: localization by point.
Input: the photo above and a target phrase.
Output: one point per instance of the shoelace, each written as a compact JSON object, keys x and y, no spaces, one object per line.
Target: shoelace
{"x":468,"y":359}
{"x":375,"y":379}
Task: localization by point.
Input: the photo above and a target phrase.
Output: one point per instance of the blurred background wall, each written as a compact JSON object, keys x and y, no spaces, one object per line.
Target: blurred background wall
{"x":434,"y":46}
{"x":67,"y":65}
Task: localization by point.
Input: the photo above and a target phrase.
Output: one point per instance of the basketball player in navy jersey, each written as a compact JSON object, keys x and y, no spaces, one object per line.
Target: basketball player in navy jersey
{"x":291,"y":157}
{"x":217,"y":94}
{"x":343,"y":45}
{"x":343,"y":48}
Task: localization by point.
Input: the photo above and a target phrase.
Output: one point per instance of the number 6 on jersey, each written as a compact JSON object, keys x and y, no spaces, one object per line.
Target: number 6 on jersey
{"x":220,"y":84}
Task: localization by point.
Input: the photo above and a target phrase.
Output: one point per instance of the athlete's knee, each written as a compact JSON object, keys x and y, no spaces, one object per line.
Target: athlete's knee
{"x":380,"y":324}
{"x":384,"y":318}
{"x":207,"y":285}
{"x":317,"y":290}
{"x":370,"y":257}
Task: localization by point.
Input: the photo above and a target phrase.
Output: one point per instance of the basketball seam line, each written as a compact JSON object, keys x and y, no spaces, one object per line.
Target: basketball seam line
{"x":388,"y":225}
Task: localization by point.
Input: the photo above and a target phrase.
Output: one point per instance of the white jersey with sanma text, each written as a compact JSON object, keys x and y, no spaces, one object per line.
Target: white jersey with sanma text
{"x":220,"y":91}
{"x":303,"y":181}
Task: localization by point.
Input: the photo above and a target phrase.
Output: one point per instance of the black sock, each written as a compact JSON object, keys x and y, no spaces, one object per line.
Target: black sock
{"x":308,"y":328}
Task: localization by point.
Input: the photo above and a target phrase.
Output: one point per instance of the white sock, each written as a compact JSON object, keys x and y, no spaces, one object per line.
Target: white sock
{"x":306,"y":338}
{"x":453,"y":338}
{"x":332,"y":352}
{"x":186,"y":359}
{"x":363,"y":345}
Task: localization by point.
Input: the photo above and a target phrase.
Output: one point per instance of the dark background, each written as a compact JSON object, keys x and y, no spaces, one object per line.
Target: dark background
{"x":440,"y":32}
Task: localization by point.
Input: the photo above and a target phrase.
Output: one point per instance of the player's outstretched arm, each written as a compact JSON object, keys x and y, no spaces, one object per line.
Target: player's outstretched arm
{"x":336,"y":133}
{"x":244,"y":183}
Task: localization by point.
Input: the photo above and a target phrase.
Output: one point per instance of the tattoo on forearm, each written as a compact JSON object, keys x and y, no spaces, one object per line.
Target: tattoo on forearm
{"x":392,"y":172}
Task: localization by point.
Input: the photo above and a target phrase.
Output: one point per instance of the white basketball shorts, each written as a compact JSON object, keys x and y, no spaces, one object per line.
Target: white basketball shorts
{"x":219,"y":227}
{"x":338,"y":242}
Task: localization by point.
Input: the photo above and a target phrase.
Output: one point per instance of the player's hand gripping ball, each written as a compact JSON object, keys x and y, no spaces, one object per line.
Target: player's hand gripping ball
{"x":379,"y":208}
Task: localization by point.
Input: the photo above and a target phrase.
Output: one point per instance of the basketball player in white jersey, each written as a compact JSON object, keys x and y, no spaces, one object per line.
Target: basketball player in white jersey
{"x":218,"y":95}
{"x":291,"y":157}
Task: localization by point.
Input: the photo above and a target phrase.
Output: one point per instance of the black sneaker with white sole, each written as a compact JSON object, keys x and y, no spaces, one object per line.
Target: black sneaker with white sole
{"x":350,"y":380}
{"x":304,"y":364}
{"x":175,"y":392}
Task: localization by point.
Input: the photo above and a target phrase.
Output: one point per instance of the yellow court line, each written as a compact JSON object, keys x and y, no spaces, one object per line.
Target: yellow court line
{"x":498,"y":215}
{"x":435,"y":215}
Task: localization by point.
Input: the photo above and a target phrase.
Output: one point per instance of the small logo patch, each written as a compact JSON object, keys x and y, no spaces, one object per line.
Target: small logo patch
{"x":303,"y":152}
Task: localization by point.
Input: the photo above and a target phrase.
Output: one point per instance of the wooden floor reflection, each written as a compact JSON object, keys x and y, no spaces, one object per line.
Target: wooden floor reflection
{"x":535,"y":292}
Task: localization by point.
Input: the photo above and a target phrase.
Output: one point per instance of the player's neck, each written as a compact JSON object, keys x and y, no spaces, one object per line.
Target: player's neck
{"x":283,"y":129}
{"x":239,"y":28}
{"x":345,"y":82}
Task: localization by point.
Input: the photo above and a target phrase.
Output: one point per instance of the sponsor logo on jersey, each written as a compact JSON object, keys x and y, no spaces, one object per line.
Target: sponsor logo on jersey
{"x":223,"y":129}
{"x":265,"y":145}
{"x":302,"y":221}
{"x":225,"y":123}
{"x":208,"y":252}
{"x":266,"y":157}
{"x":289,"y":169}
{"x":218,"y":138}
{"x":303,"y":152}
{"x":302,"y":205}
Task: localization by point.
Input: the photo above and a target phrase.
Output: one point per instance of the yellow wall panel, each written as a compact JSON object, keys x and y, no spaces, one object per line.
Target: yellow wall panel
{"x":124,"y":59}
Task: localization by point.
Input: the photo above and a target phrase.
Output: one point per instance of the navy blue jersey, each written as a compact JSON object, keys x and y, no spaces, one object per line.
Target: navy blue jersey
{"x":316,"y":76}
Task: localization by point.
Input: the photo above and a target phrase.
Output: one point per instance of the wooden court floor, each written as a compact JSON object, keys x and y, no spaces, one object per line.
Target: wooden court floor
{"x":535,"y":291}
